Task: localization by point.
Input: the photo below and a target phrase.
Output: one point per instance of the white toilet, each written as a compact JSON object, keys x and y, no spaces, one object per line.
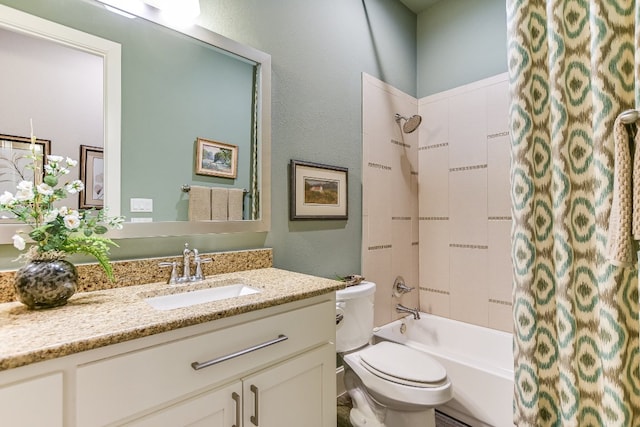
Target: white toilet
{"x":390,"y":385}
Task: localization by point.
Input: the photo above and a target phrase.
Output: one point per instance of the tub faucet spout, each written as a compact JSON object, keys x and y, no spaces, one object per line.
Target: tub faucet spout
{"x":413,"y":311}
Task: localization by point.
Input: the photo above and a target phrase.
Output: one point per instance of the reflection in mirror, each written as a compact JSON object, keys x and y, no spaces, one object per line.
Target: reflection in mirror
{"x":57,"y":89}
{"x":189,"y":85}
{"x":15,"y":163}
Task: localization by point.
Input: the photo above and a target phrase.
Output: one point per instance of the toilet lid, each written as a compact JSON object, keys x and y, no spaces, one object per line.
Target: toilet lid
{"x":402,"y":364}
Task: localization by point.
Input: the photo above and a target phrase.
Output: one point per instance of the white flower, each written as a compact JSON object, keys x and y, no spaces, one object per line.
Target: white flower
{"x":25,"y":191}
{"x":25,"y":185}
{"x":74,"y":186}
{"x":71,"y":221}
{"x":49,"y":169}
{"x":24,"y":195}
{"x":51,"y":215}
{"x":55,"y":159}
{"x":18,"y":242}
{"x":45,"y":189}
{"x":64,"y":171}
{"x":7,"y":198}
{"x":63,"y":210}
{"x":71,"y":163}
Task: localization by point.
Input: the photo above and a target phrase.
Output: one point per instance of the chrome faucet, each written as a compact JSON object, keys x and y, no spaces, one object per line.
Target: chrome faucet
{"x":414,"y":311}
{"x":186,"y":267}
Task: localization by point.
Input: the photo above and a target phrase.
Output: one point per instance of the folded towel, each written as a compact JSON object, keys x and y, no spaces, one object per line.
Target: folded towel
{"x":199,"y":203}
{"x":219,"y":203}
{"x":236,"y":204}
{"x":624,"y":220}
{"x":635,"y":215}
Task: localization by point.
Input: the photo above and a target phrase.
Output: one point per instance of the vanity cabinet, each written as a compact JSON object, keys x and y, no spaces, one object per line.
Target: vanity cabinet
{"x":292,"y":393}
{"x":269,"y":367}
{"x":32,"y":402}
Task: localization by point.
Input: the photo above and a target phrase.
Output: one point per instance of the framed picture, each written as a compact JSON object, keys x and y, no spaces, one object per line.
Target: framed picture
{"x":317,"y":191}
{"x":216,"y":158}
{"x":92,"y":174}
{"x":15,"y":161}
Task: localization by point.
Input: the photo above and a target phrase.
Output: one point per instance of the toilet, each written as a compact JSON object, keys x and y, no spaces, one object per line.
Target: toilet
{"x":390,"y":385}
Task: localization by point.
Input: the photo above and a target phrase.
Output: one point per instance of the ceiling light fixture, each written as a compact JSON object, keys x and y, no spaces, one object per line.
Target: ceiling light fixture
{"x":122,"y":7}
{"x":177,"y":12}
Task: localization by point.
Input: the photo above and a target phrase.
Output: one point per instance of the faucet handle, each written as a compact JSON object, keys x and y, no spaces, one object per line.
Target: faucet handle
{"x":399,"y":287}
{"x":174,"y":273}
{"x":199,"y":261}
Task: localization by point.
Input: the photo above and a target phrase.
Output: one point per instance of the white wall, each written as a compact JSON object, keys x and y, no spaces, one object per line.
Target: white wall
{"x":465,"y":208}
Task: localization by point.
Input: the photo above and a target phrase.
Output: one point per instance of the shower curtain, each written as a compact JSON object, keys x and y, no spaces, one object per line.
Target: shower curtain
{"x":572,"y":70}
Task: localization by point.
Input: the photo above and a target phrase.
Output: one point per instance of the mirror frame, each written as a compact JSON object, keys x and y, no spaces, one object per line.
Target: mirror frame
{"x":26,"y":23}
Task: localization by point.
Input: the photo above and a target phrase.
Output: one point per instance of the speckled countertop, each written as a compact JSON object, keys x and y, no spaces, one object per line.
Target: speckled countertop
{"x":95,"y":319}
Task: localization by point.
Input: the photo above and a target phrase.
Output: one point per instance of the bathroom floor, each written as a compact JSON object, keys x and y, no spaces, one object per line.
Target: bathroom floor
{"x":344,"y":406}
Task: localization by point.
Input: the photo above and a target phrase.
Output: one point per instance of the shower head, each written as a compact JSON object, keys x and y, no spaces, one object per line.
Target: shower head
{"x":410,"y":124}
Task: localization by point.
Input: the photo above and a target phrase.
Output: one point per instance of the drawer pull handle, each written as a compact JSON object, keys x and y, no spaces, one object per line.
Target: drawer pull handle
{"x":198,"y":365}
{"x":254,"y":418}
{"x":236,"y":397}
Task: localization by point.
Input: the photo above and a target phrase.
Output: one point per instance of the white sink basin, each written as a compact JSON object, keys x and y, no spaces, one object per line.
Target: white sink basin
{"x":200,"y":296}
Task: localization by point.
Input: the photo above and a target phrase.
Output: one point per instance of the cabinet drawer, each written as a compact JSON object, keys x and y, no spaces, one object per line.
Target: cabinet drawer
{"x":112,"y":389}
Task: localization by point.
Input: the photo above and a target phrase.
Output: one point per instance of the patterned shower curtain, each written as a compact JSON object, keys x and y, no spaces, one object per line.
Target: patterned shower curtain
{"x":573,"y":68}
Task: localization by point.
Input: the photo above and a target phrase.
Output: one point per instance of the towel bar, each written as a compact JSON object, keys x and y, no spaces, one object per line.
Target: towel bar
{"x":186,"y":188}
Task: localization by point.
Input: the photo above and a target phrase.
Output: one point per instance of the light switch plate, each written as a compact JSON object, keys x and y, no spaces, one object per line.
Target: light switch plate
{"x":142,"y":219}
{"x":141,"y":205}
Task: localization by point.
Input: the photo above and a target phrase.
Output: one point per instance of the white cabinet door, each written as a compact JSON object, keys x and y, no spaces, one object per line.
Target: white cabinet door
{"x":34,"y":402}
{"x":217,"y":408}
{"x":298,"y":392}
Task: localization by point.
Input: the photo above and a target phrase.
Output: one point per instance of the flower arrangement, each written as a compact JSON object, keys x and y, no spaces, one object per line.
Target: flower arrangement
{"x":57,"y":230}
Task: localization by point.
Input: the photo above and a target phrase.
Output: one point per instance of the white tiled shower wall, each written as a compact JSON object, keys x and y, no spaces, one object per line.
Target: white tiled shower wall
{"x":436,"y":203}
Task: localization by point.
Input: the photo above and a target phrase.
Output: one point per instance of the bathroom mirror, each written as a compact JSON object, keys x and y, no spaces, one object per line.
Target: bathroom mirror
{"x":122,"y":168}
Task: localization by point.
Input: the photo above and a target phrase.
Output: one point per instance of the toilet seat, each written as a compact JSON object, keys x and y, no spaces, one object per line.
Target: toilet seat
{"x":403,"y":365}
{"x":428,"y":388}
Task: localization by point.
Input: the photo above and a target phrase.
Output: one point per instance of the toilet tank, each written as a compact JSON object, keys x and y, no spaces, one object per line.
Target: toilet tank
{"x":355,"y":304}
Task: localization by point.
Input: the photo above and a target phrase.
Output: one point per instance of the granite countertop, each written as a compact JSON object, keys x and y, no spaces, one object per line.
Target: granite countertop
{"x":96,"y":319}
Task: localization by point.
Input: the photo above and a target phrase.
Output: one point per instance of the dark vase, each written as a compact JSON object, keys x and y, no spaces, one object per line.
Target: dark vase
{"x":46,"y":284}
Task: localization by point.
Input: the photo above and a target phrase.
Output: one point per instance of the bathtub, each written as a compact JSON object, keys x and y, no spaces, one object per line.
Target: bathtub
{"x":479,"y":362}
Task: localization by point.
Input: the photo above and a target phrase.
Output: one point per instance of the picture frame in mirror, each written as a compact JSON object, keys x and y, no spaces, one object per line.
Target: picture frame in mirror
{"x":215,"y":158}
{"x":15,"y":152}
{"x":92,"y":174}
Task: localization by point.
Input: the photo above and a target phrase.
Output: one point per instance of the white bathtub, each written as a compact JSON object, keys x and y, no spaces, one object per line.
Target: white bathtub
{"x":479,"y":362}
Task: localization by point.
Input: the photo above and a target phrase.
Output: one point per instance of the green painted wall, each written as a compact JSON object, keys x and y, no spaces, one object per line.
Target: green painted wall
{"x":319,"y":50}
{"x":459,"y":42}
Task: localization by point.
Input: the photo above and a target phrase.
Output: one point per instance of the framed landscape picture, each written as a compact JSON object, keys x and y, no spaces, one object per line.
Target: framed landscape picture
{"x":317,"y":191}
{"x":215,"y":158}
